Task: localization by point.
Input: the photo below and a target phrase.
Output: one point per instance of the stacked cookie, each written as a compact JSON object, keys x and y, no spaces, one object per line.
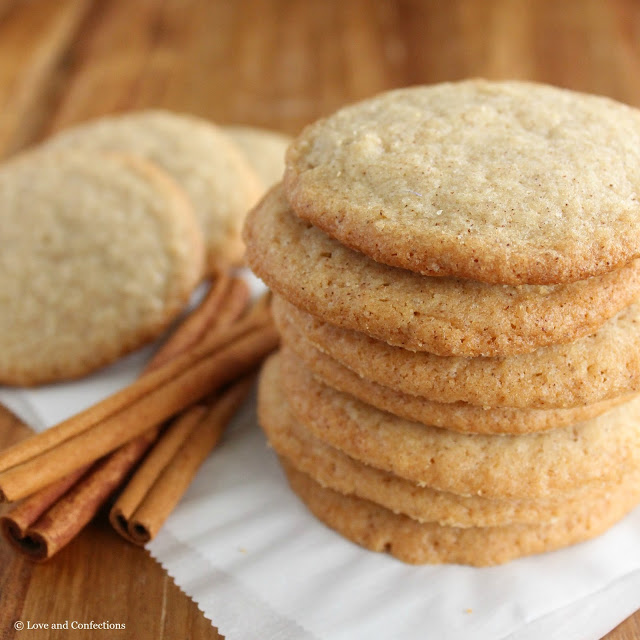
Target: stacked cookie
{"x":457,"y":284}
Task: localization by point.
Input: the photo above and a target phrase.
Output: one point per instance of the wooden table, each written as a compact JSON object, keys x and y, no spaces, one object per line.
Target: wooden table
{"x":278,"y":64}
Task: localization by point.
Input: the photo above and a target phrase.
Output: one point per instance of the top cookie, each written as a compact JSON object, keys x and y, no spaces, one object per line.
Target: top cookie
{"x":218,"y":179}
{"x":502,"y":182}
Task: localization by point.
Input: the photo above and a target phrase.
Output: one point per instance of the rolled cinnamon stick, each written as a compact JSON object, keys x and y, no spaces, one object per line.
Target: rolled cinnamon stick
{"x":36,"y":537}
{"x":61,"y":523}
{"x":171,"y":441}
{"x":236,"y":303}
{"x":16,"y":523}
{"x":224,"y":303}
{"x":193,"y":383}
{"x":81,"y":422}
{"x":135,"y":491}
{"x":161,"y":481}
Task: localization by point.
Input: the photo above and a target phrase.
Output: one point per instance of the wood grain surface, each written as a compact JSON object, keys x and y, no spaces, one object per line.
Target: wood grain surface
{"x":272,"y":63}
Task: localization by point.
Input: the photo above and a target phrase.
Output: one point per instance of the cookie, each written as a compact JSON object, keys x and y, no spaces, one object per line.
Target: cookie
{"x":216,"y":176}
{"x":528,"y":466}
{"x":457,"y":416}
{"x":379,"y":529}
{"x":264,"y":149}
{"x":99,"y":253}
{"x":501,"y":182}
{"x":333,"y":469}
{"x":446,"y":316}
{"x":602,"y":366}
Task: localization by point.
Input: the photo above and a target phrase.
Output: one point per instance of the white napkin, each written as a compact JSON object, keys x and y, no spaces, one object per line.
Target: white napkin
{"x":259,"y":565}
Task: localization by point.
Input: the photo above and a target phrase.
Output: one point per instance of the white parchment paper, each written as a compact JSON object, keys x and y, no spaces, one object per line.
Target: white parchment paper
{"x":260,"y":566}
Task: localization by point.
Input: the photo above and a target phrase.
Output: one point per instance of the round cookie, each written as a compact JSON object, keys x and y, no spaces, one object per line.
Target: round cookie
{"x":602,"y":366}
{"x":99,"y":254}
{"x":264,"y":149}
{"x":379,"y":529}
{"x":215,"y":175}
{"x":501,"y":182}
{"x":457,"y":416}
{"x":333,"y":469}
{"x":528,"y":466}
{"x":446,"y":316}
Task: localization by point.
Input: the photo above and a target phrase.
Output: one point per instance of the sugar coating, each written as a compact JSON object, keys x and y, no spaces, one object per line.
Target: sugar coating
{"x":215,"y":175}
{"x":502,"y":182}
{"x":446,"y":316}
{"x":457,"y":416}
{"x":379,"y":529}
{"x":99,"y":254}
{"x":333,"y":469}
{"x":535,"y":465}
{"x":599,"y":367}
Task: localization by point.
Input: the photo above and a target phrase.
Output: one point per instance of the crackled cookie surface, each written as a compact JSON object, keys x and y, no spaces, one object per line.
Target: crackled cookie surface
{"x":502,"y":182}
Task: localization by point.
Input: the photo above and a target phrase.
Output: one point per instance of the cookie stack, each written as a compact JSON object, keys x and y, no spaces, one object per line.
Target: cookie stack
{"x":457,"y":291}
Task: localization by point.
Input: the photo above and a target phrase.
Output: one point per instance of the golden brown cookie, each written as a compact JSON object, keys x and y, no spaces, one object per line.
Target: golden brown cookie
{"x":446,"y":316}
{"x":216,"y":176}
{"x":379,"y":529}
{"x":529,"y":466}
{"x":99,"y":253}
{"x":457,"y":416}
{"x":333,"y":469}
{"x":603,"y":366}
{"x":501,"y":182}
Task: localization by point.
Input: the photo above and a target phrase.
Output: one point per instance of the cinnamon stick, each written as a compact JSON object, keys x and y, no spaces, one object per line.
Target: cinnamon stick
{"x":238,"y":356}
{"x":145,"y":385}
{"x":163,"y":451}
{"x":224,"y":303}
{"x":41,"y":537}
{"x":135,"y":491}
{"x":39,"y":530}
{"x":163,"y":479}
{"x":21,"y":517}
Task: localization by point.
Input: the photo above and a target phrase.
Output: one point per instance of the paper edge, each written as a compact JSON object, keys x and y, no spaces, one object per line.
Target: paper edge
{"x":619,"y":608}
{"x":290,"y":628}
